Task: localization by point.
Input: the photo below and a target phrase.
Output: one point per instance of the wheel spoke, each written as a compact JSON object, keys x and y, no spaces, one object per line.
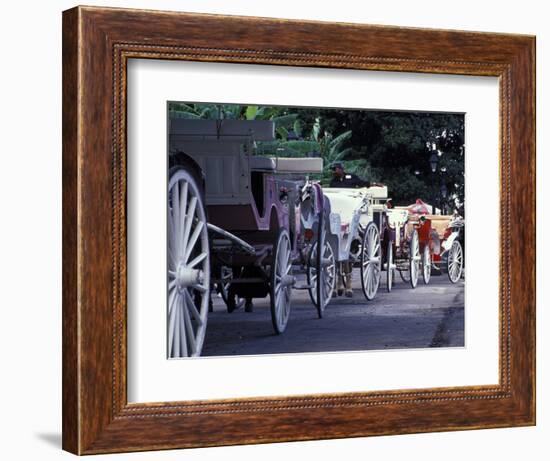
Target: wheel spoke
{"x":191,"y":306}
{"x":189,"y":331}
{"x":177,"y":332}
{"x":171,"y":318}
{"x":370,"y":281}
{"x":187,"y":226}
{"x":181,"y":327}
{"x":197,"y":260}
{"x":191,"y":244}
{"x":177,"y":218}
{"x":172,"y":244}
{"x":183,"y":195}
{"x":200,"y":288}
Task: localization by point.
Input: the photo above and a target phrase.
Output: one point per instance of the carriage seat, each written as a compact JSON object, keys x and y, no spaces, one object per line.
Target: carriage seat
{"x":286,"y":164}
{"x":439,"y":222}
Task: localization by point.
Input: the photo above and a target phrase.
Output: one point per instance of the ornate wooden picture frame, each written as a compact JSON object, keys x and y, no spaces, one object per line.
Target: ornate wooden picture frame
{"x":97,"y":44}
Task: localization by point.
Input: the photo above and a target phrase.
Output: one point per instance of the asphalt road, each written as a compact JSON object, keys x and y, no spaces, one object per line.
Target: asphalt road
{"x":428,"y":316}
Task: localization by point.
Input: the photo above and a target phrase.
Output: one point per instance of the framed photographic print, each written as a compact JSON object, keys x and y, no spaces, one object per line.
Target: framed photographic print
{"x":284,"y":230}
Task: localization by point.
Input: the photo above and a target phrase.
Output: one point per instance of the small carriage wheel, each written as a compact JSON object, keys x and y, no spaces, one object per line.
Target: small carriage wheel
{"x":371,"y":261}
{"x":188,"y":266}
{"x":426,"y":264}
{"x":414,"y":258}
{"x":455,"y":262}
{"x":327,"y":268}
{"x":389,"y":265}
{"x":405,"y":275}
{"x":231,"y":300}
{"x":282,"y":281}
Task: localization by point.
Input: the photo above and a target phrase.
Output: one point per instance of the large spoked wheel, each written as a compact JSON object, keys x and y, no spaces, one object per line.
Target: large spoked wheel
{"x":282,"y":281}
{"x":389,"y":265}
{"x":321,"y":270}
{"x":455,"y":262}
{"x":231,"y":300}
{"x":371,"y":261}
{"x":188,"y":266}
{"x":321,"y":287}
{"x":426,"y":264}
{"x":414,"y":258}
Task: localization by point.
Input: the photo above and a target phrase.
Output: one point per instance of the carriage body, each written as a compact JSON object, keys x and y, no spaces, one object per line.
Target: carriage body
{"x":252,"y":211}
{"x":350,"y":212}
{"x":355,"y":219}
{"x":447,"y":245}
{"x":440,"y":244}
{"x":251,"y":197}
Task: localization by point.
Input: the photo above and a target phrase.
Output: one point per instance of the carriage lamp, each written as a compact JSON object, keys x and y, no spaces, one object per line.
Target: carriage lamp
{"x":433,"y":162}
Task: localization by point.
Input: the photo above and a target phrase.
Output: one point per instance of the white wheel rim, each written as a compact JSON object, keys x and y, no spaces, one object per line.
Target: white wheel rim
{"x":404,"y":275}
{"x":188,"y":267}
{"x":426,"y":265}
{"x":414,"y":267}
{"x":328,"y":270}
{"x":455,"y":261}
{"x":281,"y":289}
{"x":371,"y":262}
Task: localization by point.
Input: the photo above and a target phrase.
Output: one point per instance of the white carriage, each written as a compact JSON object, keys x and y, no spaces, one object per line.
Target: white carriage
{"x":354,"y":220}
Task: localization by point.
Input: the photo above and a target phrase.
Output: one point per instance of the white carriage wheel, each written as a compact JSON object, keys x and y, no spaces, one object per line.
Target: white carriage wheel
{"x":389,"y":266}
{"x":455,"y":262}
{"x":188,"y":267}
{"x":371,"y":261}
{"x":414,"y":258}
{"x":426,"y":264}
{"x":328,"y":264}
{"x":282,"y":281}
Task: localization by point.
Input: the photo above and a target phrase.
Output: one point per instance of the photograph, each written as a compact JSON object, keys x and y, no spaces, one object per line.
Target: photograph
{"x":297,"y":229}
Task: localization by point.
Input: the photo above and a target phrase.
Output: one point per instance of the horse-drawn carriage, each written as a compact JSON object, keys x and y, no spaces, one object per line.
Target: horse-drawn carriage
{"x":440,"y":244}
{"x":233,"y":219}
{"x":352,"y":230}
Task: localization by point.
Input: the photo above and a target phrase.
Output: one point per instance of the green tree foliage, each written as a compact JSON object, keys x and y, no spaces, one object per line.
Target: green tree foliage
{"x":393,"y":148}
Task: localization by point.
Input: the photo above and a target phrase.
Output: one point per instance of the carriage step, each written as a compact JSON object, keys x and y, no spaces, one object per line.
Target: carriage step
{"x":303,"y":287}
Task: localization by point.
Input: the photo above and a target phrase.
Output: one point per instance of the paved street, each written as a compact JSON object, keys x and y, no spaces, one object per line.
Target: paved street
{"x":428,"y":316}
